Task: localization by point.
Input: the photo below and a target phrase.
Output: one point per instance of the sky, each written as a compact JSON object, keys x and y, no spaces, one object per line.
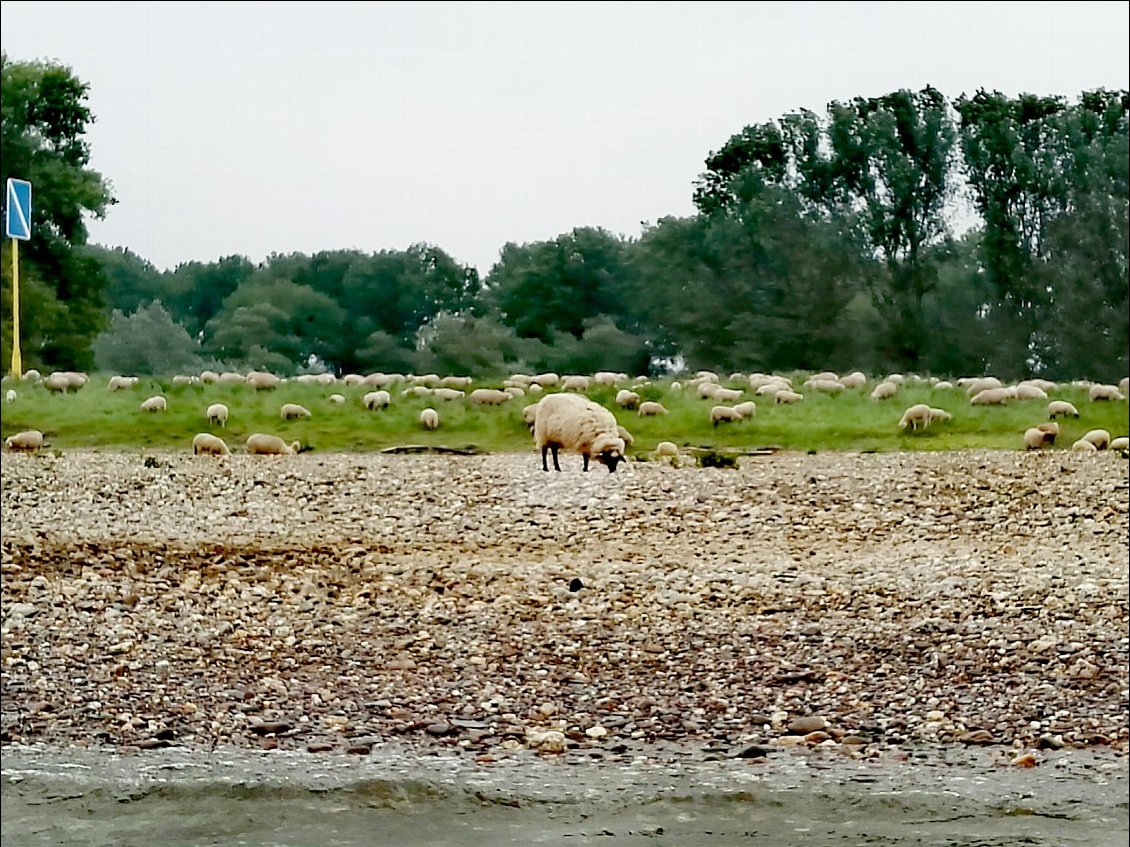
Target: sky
{"x":269,"y":127}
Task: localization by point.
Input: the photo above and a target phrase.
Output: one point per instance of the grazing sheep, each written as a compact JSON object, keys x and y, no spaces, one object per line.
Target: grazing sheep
{"x":209,"y":377}
{"x":1050,"y":430}
{"x":608,"y":378}
{"x":290,"y":411}
{"x":515,"y":391}
{"x":57,"y":381}
{"x":825,"y":385}
{"x":458,"y":382}
{"x":706,"y":390}
{"x":1123,"y":384}
{"x":629,"y":439}
{"x":154,"y":404}
{"x":10,"y":395}
{"x":943,"y":385}
{"x":1027,"y":391}
{"x":31,"y":439}
{"x":181,"y":380}
{"x":1035,"y":438}
{"x":990,"y":397}
{"x":787,"y":397}
{"x":1105,"y":392}
{"x":1062,"y":409}
{"x":723,"y":414}
{"x":854,"y":380}
{"x":627,"y":399}
{"x":429,"y":418}
{"x":747,"y":409}
{"x":120,"y":383}
{"x":444,"y":393}
{"x":205,"y":443}
{"x":353,"y":379}
{"x":575,"y":423}
{"x":546,"y":380}
{"x":575,"y":383}
{"x":270,"y":445}
{"x":337,"y":399}
{"x":262,"y":381}
{"x":1083,"y":446}
{"x":376,"y":400}
{"x":230,"y":378}
{"x":922,"y":415}
{"x":884,"y":390}
{"x":529,"y":413}
{"x":650,"y":408}
{"x":1099,"y":437}
{"x":1121,"y":444}
{"x":217,"y":414}
{"x":417,"y":391}
{"x":975,"y":386}
{"x":32,"y":373}
{"x":667,"y":450}
{"x":489,"y":397}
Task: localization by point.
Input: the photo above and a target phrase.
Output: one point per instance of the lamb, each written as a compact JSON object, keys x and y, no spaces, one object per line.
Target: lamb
{"x":575,"y":423}
{"x":270,"y":445}
{"x":290,"y":411}
{"x":627,"y":399}
{"x":1105,"y":392}
{"x":747,"y":409}
{"x":884,"y":390}
{"x":31,"y":439}
{"x":205,"y":443}
{"x":376,"y":400}
{"x":156,"y":403}
{"x":723,"y":414}
{"x":1062,"y":409}
{"x":650,"y":408}
{"x":429,"y":418}
{"x":217,"y":413}
{"x":1099,"y":437}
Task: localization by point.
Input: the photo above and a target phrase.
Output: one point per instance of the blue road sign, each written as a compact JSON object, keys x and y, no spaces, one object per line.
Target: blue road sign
{"x":17,"y":217}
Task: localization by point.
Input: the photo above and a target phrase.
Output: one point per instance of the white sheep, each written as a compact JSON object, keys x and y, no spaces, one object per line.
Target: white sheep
{"x":31,"y":439}
{"x":629,"y":439}
{"x":180,"y":380}
{"x":723,"y":414}
{"x":457,"y":382}
{"x":205,"y":443}
{"x":57,"y":381}
{"x":429,"y":418}
{"x":32,"y":373}
{"x":217,"y":413}
{"x":884,"y":390}
{"x":667,"y":450}
{"x":262,"y":381}
{"x":943,"y":385}
{"x":529,"y":414}
{"x":1123,"y":385}
{"x":575,"y":423}
{"x":831,"y":385}
{"x":10,"y":395}
{"x":120,"y":383}
{"x":575,"y":382}
{"x":1105,"y":392}
{"x":336,"y":399}
{"x":290,"y":411}
{"x":1083,"y":446}
{"x":1099,"y":437}
{"x":157,"y":403}
{"x":376,"y":400}
{"x":547,"y":380}
{"x":747,"y":409}
{"x":627,"y":399}
{"x":707,"y":389}
{"x":1050,"y":430}
{"x":259,"y":444}
{"x":990,"y":397}
{"x":1062,"y":409}
{"x":209,"y":377}
{"x":787,"y":397}
{"x":445,"y":393}
{"x":854,"y":380}
{"x":230,"y":378}
{"x":489,"y":397}
{"x":1121,"y":444}
{"x":975,"y":386}
{"x":650,"y":408}
{"x":922,"y":415}
{"x":515,"y":391}
{"x":1035,"y":438}
{"x":1027,"y":391}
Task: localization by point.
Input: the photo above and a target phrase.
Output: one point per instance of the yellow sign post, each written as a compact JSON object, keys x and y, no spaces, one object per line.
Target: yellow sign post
{"x":17,"y":360}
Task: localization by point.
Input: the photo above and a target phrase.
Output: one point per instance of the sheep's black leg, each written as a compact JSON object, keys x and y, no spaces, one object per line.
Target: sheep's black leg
{"x":585,"y":456}
{"x":544,"y":453}
{"x":556,"y":466}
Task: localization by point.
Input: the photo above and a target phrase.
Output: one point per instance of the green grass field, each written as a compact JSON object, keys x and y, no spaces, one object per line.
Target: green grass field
{"x":97,"y":418}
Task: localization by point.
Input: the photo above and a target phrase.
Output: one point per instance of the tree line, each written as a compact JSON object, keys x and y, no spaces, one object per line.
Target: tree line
{"x":907,"y":232}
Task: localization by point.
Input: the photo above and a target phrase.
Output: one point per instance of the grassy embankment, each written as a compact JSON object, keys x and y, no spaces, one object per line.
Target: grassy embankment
{"x":96,"y":417}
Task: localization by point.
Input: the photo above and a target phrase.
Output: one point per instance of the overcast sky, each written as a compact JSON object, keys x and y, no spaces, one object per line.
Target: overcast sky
{"x":264,"y":127}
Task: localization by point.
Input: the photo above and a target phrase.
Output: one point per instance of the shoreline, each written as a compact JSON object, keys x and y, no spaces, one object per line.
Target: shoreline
{"x":859,"y":603}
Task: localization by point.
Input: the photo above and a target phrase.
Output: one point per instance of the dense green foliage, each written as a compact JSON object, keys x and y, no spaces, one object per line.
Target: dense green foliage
{"x":819,"y":241}
{"x":97,"y":417}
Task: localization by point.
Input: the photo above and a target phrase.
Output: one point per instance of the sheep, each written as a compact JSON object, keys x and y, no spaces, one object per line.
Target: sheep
{"x":1050,"y":430}
{"x":417,"y":391}
{"x":336,"y":399}
{"x":31,"y":439}
{"x":119,"y":383}
{"x":209,"y":377}
{"x":230,"y":378}
{"x":575,"y":423}
{"x":31,"y":373}
{"x":608,"y":378}
{"x":444,"y":393}
{"x":629,"y":439}
{"x":57,"y":381}
{"x":353,"y":379}
{"x":547,"y":380}
{"x":916,"y":416}
{"x":976,"y":386}
{"x":943,"y":385}
{"x":727,"y":395}
{"x":990,"y":397}
{"x":854,"y":380}
{"x":787,"y":397}
{"x":884,"y":390}
{"x":723,"y":414}
{"x":489,"y":397}
{"x":627,"y":399}
{"x":1035,"y":438}
{"x":650,"y":408}
{"x":1099,"y":437}
{"x":830,"y":376}
{"x":205,"y":443}
{"x":290,"y":411}
{"x":1027,"y":391}
{"x":575,"y":383}
{"x":706,"y":390}
{"x":535,"y":388}
{"x":1123,"y":384}
{"x":376,"y":400}
{"x":1062,"y":409}
{"x":262,"y":381}
{"x":181,"y":380}
{"x":259,"y":444}
{"x":747,"y":409}
{"x":10,"y":395}
{"x":1105,"y":392}
{"x":457,"y":382}
{"x":156,"y":403}
{"x":1083,"y":446}
{"x":667,"y":450}
{"x":429,"y":418}
{"x":515,"y":391}
{"x":529,"y":413}
{"x":217,"y":413}
{"x":1121,"y":444}
{"x":825,"y":385}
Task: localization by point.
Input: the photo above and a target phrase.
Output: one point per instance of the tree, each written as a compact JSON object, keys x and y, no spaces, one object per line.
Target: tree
{"x":148,"y":341}
{"x":43,"y":123}
{"x":130,"y":279}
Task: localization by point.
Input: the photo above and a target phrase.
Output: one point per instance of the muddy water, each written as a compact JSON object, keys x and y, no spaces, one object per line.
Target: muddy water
{"x":175,"y":798}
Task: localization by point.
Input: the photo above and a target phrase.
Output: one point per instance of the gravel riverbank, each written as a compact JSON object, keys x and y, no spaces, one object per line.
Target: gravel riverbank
{"x":338,"y":602}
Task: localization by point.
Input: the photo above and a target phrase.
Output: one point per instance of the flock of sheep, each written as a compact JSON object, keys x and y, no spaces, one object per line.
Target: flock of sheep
{"x":566,"y":419}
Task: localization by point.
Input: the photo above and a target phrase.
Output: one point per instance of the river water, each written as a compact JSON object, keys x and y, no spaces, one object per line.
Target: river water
{"x":176,"y":798}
